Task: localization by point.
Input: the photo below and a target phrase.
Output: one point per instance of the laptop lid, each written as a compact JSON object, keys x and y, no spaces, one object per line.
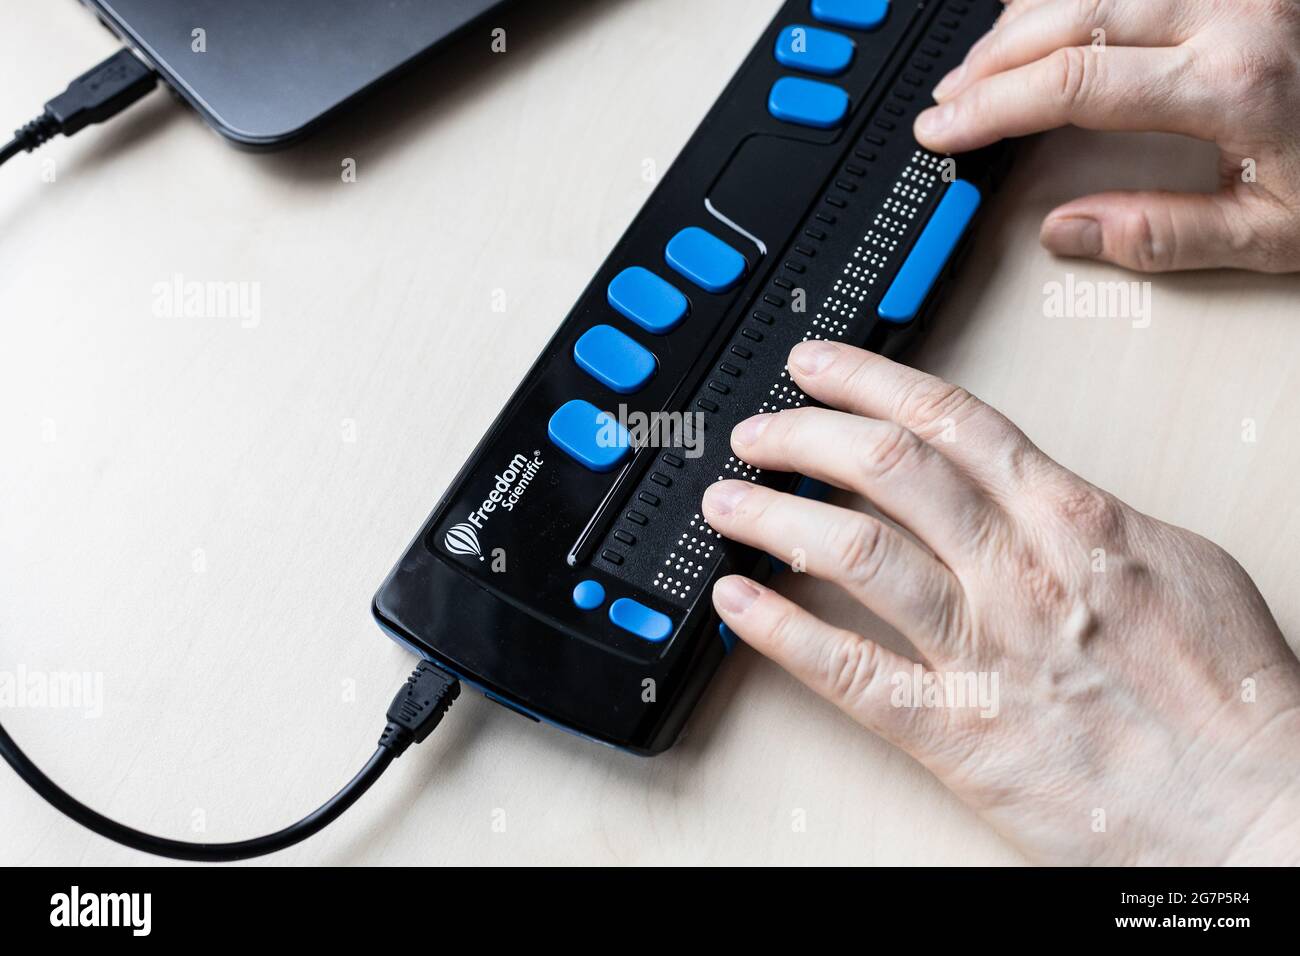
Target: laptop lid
{"x":266,"y":73}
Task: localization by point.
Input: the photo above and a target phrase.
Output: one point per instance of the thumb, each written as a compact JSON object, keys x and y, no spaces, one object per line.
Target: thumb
{"x":1157,"y":231}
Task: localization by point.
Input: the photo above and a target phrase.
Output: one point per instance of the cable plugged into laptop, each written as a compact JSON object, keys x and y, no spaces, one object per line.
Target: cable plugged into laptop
{"x":97,"y":95}
{"x":415,"y":711}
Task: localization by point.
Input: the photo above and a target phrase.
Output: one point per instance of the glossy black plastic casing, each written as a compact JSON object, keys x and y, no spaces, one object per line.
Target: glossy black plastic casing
{"x":271,"y":71}
{"x":516,"y":633}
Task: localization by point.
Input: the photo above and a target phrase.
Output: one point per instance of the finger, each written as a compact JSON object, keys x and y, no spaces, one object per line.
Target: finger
{"x":1048,"y":27}
{"x":1155,"y":231}
{"x":898,"y":580}
{"x":855,"y":674}
{"x":1120,"y":88}
{"x":976,"y":436}
{"x":882,"y":461}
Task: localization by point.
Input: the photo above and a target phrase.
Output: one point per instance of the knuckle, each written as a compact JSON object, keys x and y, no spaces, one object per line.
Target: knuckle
{"x":1071,"y":72}
{"x":1041,"y":585}
{"x":1152,"y":246}
{"x":886,"y":450}
{"x":931,"y":400}
{"x":1090,"y":511}
{"x":1092,"y":13}
{"x":784,"y":629}
{"x":859,"y":549}
{"x":851,"y":668}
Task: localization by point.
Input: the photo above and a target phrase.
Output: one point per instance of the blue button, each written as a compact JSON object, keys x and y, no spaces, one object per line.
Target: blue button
{"x":813,"y":50}
{"x":705,"y":259}
{"x":614,"y":359}
{"x":592,"y":438}
{"x":728,"y":636}
{"x":854,"y":14}
{"x":634,"y":616}
{"x":926,"y":260}
{"x":808,"y":102}
{"x":588,"y":595}
{"x":649,"y":301}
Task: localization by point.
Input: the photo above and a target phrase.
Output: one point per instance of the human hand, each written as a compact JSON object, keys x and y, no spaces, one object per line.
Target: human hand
{"x":1148,"y":708}
{"x":1226,"y":71}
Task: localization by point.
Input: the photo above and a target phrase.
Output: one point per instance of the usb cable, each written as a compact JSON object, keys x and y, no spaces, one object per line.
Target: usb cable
{"x":416,"y":710}
{"x":97,"y":95}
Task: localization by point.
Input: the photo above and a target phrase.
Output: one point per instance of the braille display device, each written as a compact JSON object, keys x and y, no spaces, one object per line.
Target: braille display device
{"x":567,"y":571}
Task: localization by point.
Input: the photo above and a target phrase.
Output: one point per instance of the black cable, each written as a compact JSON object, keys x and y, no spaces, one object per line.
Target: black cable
{"x":412,"y":716}
{"x":98,"y":94}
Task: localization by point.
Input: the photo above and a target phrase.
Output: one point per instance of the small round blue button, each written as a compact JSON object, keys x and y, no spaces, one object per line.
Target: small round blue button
{"x":589,"y":595}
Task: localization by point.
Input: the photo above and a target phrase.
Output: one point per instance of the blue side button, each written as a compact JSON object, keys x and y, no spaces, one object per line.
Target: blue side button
{"x":614,"y":359}
{"x":923,"y":264}
{"x":705,"y":259}
{"x":854,"y":14}
{"x":808,"y":102}
{"x":588,"y":595}
{"x":728,"y":636}
{"x":649,"y":301}
{"x":640,"y":620}
{"x":814,"y":51}
{"x":592,"y":438}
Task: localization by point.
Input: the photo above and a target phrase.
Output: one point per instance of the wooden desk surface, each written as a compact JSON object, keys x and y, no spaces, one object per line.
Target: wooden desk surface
{"x":199,"y":510}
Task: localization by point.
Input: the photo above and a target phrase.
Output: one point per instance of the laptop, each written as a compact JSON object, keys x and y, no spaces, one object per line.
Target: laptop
{"x":264,"y":73}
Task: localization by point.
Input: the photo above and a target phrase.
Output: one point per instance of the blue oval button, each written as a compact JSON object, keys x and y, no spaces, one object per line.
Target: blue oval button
{"x":640,"y":620}
{"x":705,"y":259}
{"x":592,"y":438}
{"x":814,"y":51}
{"x":614,"y":359}
{"x":588,"y":595}
{"x":651,"y":302}
{"x":854,"y":14}
{"x":808,"y":102}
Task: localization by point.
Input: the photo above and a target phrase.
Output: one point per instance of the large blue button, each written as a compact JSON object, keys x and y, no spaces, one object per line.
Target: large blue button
{"x":813,"y":50}
{"x":705,"y":259}
{"x":923,"y":264}
{"x":588,"y":595}
{"x":854,"y":14}
{"x":592,"y":438}
{"x":614,"y":358}
{"x":649,"y":301}
{"x":808,"y":102}
{"x":634,"y":616}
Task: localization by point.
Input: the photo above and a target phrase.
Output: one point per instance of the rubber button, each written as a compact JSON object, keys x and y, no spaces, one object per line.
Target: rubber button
{"x":923,"y":264}
{"x":651,"y":302}
{"x":614,"y":359}
{"x":705,"y":259}
{"x":635,"y":617}
{"x":854,"y":14}
{"x":808,"y":102}
{"x":592,"y":438}
{"x":588,"y":595}
{"x":814,"y":51}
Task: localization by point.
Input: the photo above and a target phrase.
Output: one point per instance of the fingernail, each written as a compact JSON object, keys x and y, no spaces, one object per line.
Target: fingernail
{"x":950,"y":82}
{"x":936,"y":119}
{"x":1073,"y":236}
{"x":812,"y":357}
{"x":724,"y":497}
{"x":734,"y":594}
{"x":749,"y":431}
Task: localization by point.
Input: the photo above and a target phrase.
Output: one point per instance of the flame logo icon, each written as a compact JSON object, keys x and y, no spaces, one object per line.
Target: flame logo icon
{"x":463,"y":539}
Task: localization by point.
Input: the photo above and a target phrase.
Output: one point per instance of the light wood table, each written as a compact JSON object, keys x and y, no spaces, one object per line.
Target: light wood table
{"x":198,"y":511}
